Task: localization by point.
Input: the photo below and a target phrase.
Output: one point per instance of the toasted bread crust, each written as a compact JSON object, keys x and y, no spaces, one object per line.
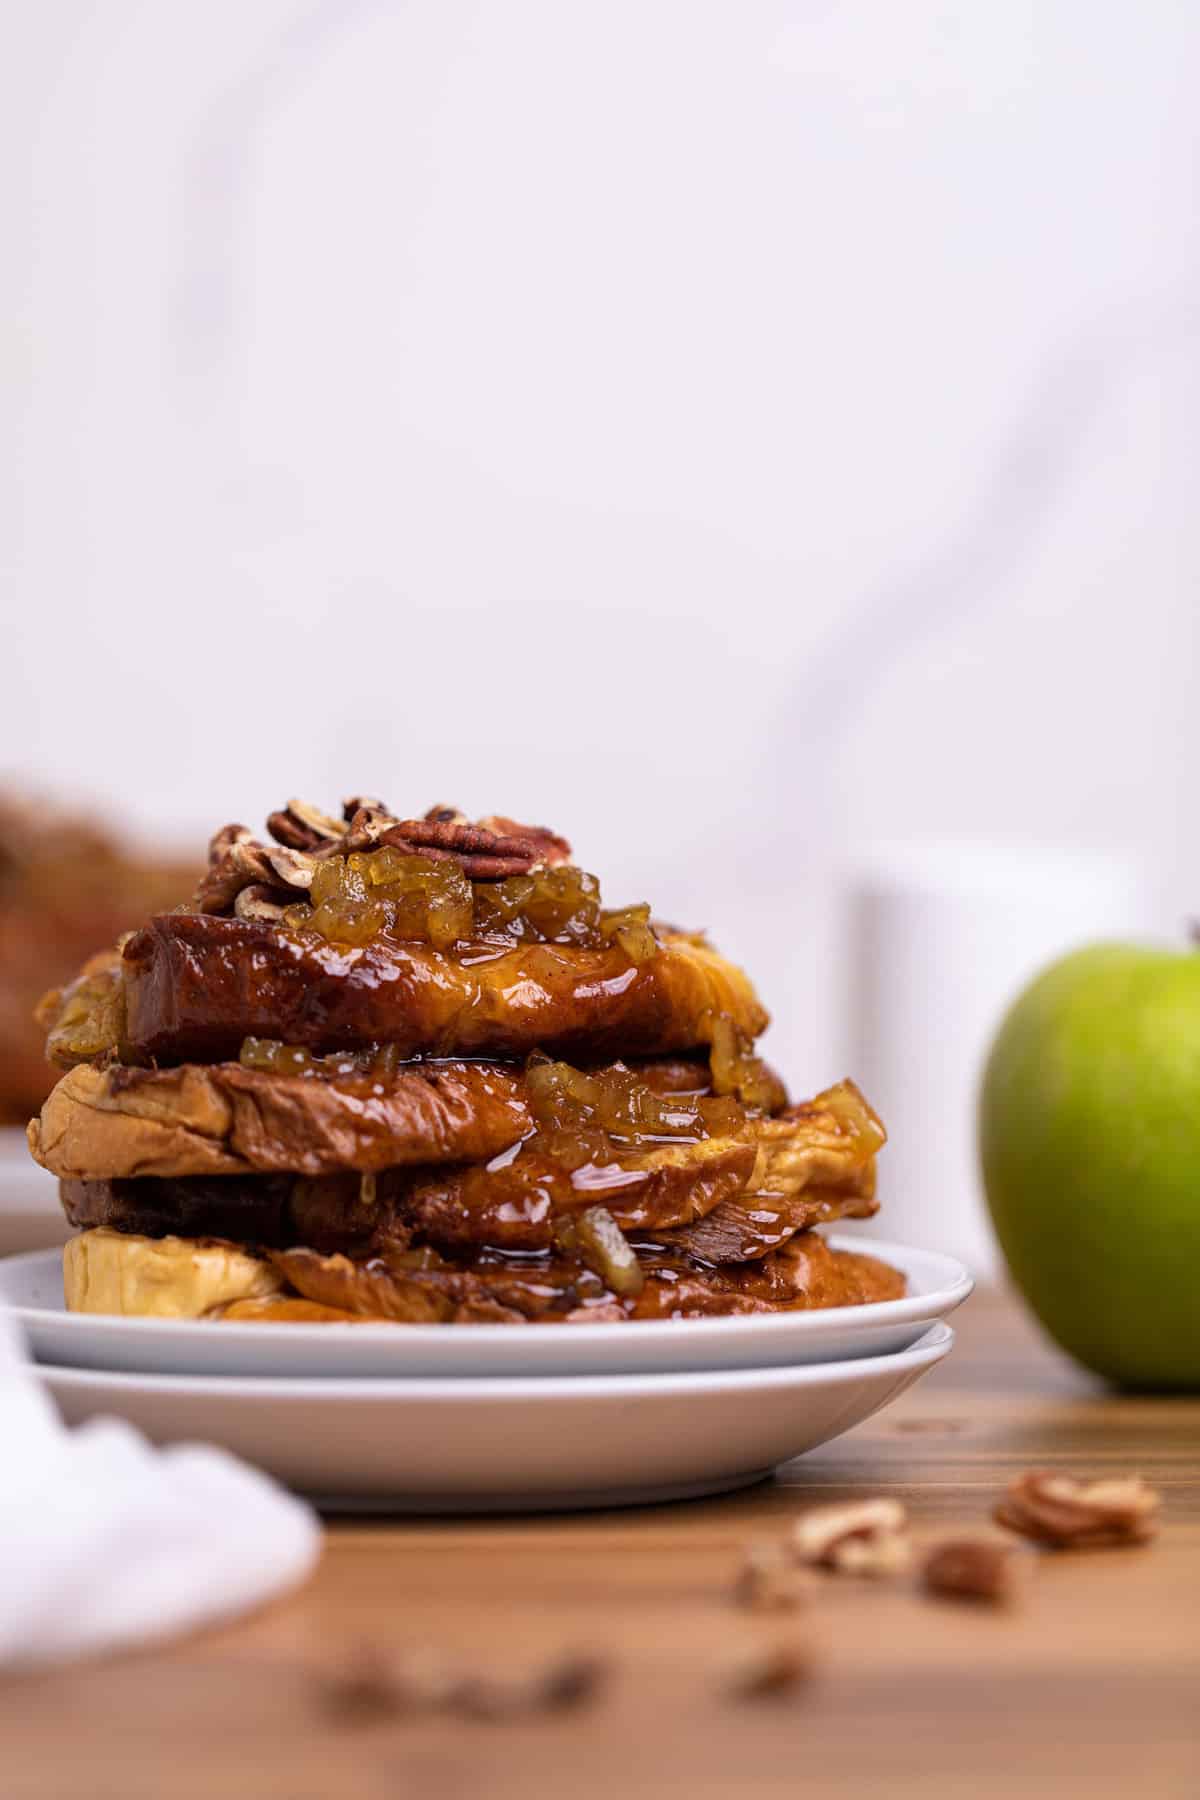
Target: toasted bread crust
{"x":227,"y":1120}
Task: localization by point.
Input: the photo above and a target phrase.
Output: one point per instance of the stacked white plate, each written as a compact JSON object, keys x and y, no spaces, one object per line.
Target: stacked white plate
{"x":479,"y":1418}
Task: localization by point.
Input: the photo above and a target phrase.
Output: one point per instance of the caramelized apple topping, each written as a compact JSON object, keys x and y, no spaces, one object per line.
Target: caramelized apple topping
{"x":438,"y":880}
{"x":353,"y":899}
{"x":357,"y":898}
{"x":736,"y":1069}
{"x":554,"y":906}
{"x":275,"y":1058}
{"x":629,"y":927}
{"x":595,"y":1237}
{"x":567,"y":1103}
{"x":856,"y":1118}
{"x":86,"y":1019}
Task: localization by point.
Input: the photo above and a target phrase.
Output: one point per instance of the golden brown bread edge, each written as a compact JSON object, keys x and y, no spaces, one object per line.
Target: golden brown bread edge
{"x":223,"y":1119}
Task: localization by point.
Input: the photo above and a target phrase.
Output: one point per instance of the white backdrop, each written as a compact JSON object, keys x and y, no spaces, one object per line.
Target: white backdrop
{"x":719,"y":431}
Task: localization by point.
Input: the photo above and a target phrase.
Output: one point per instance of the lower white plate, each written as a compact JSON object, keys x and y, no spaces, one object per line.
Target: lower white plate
{"x":32,"y":1287}
{"x":546,"y":1443}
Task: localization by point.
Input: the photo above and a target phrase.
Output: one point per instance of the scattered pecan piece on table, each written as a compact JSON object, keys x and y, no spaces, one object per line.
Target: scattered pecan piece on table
{"x":565,"y":1682}
{"x":770,"y":1581}
{"x":973,"y":1569}
{"x":858,"y":1537}
{"x":755,"y":1670}
{"x":377,"y":1684}
{"x":1060,"y":1510}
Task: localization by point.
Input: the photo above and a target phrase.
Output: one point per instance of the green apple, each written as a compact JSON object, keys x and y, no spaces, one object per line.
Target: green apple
{"x":1089,"y":1130}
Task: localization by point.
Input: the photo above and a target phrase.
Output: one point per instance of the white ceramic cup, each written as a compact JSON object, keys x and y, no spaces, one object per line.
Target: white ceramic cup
{"x":942,"y":937}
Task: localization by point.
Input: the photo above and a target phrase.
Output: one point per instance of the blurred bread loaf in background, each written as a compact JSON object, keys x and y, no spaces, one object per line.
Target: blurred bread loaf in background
{"x":69,"y":885}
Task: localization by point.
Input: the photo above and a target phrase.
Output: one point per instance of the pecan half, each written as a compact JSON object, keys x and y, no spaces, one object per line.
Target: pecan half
{"x":480,"y":865}
{"x":972,"y":1569}
{"x":552,"y":850}
{"x":861,"y":1537}
{"x":1059,"y":1510}
{"x":482,"y":852}
{"x":770,"y":1581}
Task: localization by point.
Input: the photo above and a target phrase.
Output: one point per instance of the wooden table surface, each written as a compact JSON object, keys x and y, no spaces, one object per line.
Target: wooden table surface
{"x":1090,"y":1686}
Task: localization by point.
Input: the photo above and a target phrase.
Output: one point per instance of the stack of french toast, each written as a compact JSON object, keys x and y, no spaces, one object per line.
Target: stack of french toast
{"x":414,"y":1069}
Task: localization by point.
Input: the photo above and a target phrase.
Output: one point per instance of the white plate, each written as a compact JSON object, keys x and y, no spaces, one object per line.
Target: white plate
{"x":551,"y":1442}
{"x":30,"y":1215}
{"x":32,"y":1287}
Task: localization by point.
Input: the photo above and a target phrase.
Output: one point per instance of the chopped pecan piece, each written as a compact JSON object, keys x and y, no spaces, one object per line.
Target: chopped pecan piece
{"x":259,"y":902}
{"x":374,"y":1684}
{"x":566,"y":1682}
{"x":304,"y":827}
{"x":293,"y":868}
{"x":357,"y":802}
{"x":1059,"y":1510}
{"x":770,"y":1581}
{"x":365,"y":827}
{"x":752,"y":1671}
{"x":972,"y":1569}
{"x":248,"y":863}
{"x":222,"y":842}
{"x":860,"y":1537}
{"x":244,"y":861}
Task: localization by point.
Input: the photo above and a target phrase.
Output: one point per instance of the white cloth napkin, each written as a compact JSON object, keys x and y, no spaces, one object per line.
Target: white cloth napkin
{"x":106,"y":1542}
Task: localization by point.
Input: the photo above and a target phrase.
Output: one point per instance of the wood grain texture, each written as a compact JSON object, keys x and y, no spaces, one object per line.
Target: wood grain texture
{"x":1089,"y":1686}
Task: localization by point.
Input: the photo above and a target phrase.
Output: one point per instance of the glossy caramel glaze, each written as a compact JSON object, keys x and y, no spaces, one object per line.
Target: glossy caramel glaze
{"x":197,"y":986}
{"x":400,"y":1207}
{"x":495,"y":1289}
{"x":738,"y":1186}
{"x":225,"y":1119}
{"x":514,"y":1206}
